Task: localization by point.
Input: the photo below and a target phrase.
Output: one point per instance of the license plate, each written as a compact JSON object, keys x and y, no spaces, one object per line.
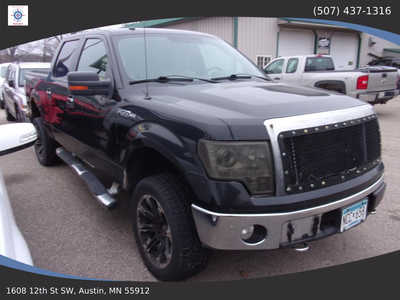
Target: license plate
{"x":353,"y":215}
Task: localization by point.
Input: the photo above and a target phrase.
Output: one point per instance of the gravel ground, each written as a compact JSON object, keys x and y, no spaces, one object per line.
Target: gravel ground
{"x":68,"y":232}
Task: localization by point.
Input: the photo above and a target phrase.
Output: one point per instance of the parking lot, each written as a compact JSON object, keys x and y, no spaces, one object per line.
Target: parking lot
{"x":69,"y":232}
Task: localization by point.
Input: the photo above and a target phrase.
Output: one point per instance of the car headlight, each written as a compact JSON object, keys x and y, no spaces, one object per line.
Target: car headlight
{"x":247,"y":162}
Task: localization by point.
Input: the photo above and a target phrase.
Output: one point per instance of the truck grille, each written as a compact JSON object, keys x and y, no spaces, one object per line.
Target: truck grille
{"x":318,"y":157}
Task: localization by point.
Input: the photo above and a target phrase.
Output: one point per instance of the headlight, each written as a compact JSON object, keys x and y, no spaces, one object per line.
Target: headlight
{"x":247,"y":162}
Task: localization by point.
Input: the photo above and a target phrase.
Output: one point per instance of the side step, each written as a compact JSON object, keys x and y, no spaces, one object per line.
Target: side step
{"x":97,"y":189}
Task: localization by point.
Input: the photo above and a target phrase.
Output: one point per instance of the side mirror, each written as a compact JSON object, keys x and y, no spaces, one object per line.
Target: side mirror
{"x":87,"y":84}
{"x":17,"y":136}
{"x":11,"y":83}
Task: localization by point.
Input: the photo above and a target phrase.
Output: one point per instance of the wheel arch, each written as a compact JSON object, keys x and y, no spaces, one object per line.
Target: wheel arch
{"x":332,"y":85}
{"x":157,"y":150}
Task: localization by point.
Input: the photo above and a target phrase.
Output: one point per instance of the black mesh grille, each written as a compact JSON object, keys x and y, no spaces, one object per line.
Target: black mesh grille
{"x":317,"y":157}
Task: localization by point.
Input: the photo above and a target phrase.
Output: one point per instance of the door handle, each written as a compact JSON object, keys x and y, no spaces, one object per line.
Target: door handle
{"x":48,"y":92}
{"x":71,"y":99}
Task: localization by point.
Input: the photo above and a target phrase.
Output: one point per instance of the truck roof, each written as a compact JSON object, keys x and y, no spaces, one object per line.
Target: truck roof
{"x":133,"y":31}
{"x":304,"y":56}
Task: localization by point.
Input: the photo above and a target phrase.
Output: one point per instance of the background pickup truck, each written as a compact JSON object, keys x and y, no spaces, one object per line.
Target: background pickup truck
{"x":213,"y":153}
{"x":13,"y":89}
{"x":371,"y":84}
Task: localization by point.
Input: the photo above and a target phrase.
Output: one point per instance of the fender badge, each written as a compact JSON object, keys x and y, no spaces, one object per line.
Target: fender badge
{"x":126,"y":114}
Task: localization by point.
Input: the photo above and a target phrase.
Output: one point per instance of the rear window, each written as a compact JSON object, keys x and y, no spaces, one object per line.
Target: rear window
{"x":319,"y":64}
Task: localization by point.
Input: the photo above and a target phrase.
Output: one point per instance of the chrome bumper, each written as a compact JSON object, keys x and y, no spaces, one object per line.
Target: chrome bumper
{"x":378,"y":97}
{"x":223,"y":231}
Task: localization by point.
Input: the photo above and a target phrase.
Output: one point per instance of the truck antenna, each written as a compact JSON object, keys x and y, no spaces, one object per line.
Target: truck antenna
{"x":147,"y":96}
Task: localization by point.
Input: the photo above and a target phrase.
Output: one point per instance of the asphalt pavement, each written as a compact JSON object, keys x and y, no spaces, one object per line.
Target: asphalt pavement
{"x":69,"y":232}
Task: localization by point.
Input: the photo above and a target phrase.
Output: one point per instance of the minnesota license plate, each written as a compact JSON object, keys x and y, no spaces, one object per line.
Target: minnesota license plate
{"x":353,"y":215}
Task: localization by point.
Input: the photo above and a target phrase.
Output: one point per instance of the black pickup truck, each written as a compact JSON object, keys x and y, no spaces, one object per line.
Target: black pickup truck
{"x":215,"y":154}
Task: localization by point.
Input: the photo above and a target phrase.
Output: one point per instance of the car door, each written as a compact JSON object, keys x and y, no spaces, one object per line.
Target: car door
{"x":57,"y":102}
{"x":88,"y":112}
{"x":291,"y":70}
{"x":275,"y":68}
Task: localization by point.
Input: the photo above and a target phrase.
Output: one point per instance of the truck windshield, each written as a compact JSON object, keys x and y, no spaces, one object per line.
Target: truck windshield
{"x":319,"y":64}
{"x":187,"y":55}
{"x":22,"y":72}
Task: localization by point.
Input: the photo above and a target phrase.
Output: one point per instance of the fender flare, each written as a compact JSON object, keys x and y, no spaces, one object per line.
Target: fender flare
{"x":166,"y":143}
{"x":340,"y":84}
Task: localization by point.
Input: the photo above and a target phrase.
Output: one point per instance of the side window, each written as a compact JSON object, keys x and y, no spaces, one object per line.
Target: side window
{"x":275,"y":67}
{"x":94,"y":58}
{"x":64,"y":60}
{"x":292,"y":65}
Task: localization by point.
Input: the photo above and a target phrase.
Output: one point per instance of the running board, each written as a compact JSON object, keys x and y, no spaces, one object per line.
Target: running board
{"x":97,"y":189}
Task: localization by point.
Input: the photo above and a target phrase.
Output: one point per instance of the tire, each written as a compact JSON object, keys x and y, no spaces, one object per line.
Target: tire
{"x":45,"y":146}
{"x":2,"y":104}
{"x":9,"y":116}
{"x":186,"y":256}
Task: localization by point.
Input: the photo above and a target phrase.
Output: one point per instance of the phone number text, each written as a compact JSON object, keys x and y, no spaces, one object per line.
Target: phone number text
{"x":352,"y":11}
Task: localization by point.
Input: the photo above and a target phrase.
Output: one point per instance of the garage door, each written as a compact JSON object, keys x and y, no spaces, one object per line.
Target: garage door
{"x":344,"y":47}
{"x":295,"y":42}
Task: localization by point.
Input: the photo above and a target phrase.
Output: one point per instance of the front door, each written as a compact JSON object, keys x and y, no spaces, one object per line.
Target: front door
{"x":275,"y":69}
{"x":89,"y":111}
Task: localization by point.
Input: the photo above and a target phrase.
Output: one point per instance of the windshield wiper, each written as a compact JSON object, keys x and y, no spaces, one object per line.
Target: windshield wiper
{"x":240,"y":76}
{"x":168,"y":78}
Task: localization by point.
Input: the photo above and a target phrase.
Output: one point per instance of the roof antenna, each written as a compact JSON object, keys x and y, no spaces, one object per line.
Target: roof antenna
{"x":147,"y":96}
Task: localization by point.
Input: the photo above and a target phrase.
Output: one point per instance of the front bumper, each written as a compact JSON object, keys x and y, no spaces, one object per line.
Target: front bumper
{"x":224,"y":231}
{"x":378,"y":97}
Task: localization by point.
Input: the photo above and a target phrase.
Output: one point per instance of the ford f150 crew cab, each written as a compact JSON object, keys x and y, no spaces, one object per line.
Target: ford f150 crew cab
{"x":215,"y":154}
{"x":371,"y":84}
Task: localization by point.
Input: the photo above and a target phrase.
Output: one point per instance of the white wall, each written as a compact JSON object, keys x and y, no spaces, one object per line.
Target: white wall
{"x":257,"y":36}
{"x":219,"y":26}
{"x":376,"y":49}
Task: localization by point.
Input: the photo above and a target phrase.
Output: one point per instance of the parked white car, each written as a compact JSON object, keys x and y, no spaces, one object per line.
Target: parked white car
{"x":3,"y":71}
{"x":371,"y":84}
{"x":13,"y":137}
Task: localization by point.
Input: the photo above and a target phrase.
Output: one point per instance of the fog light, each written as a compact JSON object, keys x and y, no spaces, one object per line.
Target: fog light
{"x":253,"y":235}
{"x":247,"y":232}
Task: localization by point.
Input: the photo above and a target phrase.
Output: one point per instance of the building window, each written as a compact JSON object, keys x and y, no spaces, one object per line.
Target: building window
{"x":262,"y":60}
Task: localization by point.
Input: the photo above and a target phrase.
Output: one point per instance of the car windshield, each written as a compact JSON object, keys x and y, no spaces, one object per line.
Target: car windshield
{"x":23,"y":71}
{"x":194,"y":56}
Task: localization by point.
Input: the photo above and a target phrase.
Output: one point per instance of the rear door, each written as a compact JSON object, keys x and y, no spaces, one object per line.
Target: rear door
{"x":291,"y":71}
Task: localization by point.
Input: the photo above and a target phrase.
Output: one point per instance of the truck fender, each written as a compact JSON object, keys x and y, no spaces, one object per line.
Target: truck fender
{"x":178,"y":152}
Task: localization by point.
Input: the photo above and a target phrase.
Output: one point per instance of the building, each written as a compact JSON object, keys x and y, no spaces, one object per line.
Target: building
{"x":262,"y":39}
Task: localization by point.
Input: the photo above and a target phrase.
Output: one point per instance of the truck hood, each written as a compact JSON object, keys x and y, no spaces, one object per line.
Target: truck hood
{"x":243,"y":105}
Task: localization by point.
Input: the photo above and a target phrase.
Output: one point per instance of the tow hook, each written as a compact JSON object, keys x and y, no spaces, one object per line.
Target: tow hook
{"x":303,"y":247}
